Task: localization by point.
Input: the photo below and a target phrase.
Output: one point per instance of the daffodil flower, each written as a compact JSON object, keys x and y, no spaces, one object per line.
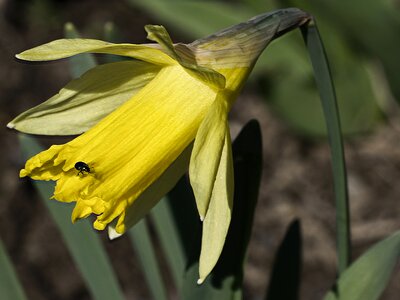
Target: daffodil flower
{"x":144,"y":122}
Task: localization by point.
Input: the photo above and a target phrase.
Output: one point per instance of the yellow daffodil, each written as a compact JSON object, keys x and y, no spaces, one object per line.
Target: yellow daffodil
{"x":145,"y":121}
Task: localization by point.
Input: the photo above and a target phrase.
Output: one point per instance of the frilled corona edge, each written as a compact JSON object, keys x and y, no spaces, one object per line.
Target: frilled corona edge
{"x":145,"y":122}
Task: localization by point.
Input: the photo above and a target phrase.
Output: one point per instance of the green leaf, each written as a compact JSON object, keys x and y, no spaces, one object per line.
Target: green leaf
{"x":287,"y":63}
{"x":285,"y":275}
{"x":113,"y":35}
{"x":299,"y":106}
{"x":225,"y":281}
{"x":168,"y":233}
{"x":140,"y":237}
{"x":80,"y":63}
{"x":83,"y":243}
{"x":10,"y":287}
{"x":373,"y":32}
{"x":196,"y":18}
{"x":368,"y":276}
{"x":328,"y":98}
{"x":179,"y":229}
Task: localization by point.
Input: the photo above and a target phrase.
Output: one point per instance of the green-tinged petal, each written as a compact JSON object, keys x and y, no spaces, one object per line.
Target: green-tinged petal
{"x":218,"y":217}
{"x":159,"y":34}
{"x":68,"y":47}
{"x":83,"y":102}
{"x":206,"y":154}
{"x":240,"y":45}
{"x":128,"y":150}
{"x":185,"y":57}
{"x":152,"y":194}
{"x":139,"y":151}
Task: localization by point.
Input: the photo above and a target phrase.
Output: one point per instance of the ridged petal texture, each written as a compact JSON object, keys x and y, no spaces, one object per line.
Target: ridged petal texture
{"x":83,"y":102}
{"x":128,"y":150}
{"x":145,"y":121}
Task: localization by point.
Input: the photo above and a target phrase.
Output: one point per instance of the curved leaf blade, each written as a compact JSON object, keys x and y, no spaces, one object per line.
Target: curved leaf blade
{"x":140,"y":238}
{"x":323,"y":79}
{"x":367,"y":277}
{"x":10,"y":287}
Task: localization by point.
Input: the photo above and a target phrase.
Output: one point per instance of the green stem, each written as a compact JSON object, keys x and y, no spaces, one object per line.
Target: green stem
{"x":328,"y":98}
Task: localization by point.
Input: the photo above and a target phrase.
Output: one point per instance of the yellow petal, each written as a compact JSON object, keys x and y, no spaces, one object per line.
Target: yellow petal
{"x":42,"y":166}
{"x":206,"y":153}
{"x":68,"y":47}
{"x":150,"y":197}
{"x":218,"y":217}
{"x":185,"y":57}
{"x":129,"y":149}
{"x":83,"y":102}
{"x":136,"y":154}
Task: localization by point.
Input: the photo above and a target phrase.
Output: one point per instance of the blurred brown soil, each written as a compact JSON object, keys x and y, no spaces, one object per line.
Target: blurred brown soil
{"x":296,"y":182}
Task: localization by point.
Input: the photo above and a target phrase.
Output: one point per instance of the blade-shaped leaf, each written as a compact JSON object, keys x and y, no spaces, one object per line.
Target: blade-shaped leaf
{"x":380,"y":40}
{"x":141,"y":241}
{"x":113,"y":35}
{"x":168,"y":234}
{"x":197,"y":18}
{"x":367,"y":277}
{"x":81,"y":240}
{"x":179,"y":229}
{"x":300,"y":105}
{"x":10,"y":287}
{"x":328,"y":98}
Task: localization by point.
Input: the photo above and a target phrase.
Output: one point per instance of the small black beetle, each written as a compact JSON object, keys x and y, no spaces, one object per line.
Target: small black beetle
{"x":82,"y":167}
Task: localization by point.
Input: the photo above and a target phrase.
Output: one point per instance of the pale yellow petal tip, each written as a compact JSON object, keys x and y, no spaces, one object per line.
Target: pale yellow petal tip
{"x":23,"y":173}
{"x":200,"y":281}
{"x":201,"y":218}
{"x":74,"y":216}
{"x":21,"y":56}
{"x":81,"y":211}
{"x":11,"y":125}
{"x":99,"y":225}
{"x":112,"y":233}
{"x":25,"y":55}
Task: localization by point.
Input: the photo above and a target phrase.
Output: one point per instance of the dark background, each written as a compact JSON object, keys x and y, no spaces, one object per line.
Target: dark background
{"x":296,"y":181}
